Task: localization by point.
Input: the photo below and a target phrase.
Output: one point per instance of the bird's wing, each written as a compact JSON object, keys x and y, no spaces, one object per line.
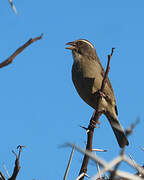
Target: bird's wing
{"x":108,"y":90}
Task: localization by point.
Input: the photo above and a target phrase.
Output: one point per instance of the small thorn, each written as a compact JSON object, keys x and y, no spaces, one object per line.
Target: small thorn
{"x":84,"y":128}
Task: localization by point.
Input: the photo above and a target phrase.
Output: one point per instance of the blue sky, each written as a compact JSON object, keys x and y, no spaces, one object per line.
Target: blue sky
{"x":40,"y":107}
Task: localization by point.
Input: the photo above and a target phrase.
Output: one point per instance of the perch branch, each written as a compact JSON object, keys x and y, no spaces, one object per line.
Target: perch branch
{"x":10,"y":59}
{"x":94,"y":120}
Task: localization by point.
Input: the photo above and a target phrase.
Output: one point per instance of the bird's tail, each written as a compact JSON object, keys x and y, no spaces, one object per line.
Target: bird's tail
{"x":118,"y":130}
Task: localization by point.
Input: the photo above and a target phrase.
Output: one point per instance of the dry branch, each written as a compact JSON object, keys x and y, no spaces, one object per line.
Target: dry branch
{"x":68,"y":166}
{"x":94,"y":120}
{"x":18,"y":51}
{"x":17,"y":166}
{"x":108,"y":167}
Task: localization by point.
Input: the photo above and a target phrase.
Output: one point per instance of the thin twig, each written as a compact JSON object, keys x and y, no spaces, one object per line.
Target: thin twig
{"x":107,"y":70}
{"x":18,"y":51}
{"x":68,"y":166}
{"x":132,"y":126}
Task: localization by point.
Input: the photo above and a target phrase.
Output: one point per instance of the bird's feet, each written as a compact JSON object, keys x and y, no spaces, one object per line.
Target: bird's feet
{"x":94,"y":121}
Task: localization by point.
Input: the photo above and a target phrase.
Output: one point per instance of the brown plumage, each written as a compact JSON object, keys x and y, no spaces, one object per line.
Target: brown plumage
{"x":87,"y":76}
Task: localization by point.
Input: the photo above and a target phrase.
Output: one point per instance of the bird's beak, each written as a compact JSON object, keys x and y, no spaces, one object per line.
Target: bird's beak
{"x":72,"y":45}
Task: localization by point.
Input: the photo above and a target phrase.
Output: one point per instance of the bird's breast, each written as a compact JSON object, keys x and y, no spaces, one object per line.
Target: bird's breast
{"x":83,"y":79}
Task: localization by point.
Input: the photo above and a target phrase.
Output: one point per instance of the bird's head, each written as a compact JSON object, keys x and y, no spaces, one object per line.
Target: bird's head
{"x":82,"y":48}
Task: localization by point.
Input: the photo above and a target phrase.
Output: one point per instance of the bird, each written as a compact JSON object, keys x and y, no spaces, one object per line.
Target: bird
{"x":87,"y":76}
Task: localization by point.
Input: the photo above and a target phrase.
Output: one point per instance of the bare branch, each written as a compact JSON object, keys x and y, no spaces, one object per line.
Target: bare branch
{"x":107,"y":70}
{"x":68,"y":166}
{"x":18,"y":51}
{"x":132,"y":126}
{"x":17,"y":166}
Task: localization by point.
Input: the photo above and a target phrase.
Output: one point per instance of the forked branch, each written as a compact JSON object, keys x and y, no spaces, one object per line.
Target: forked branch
{"x":17,"y":166}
